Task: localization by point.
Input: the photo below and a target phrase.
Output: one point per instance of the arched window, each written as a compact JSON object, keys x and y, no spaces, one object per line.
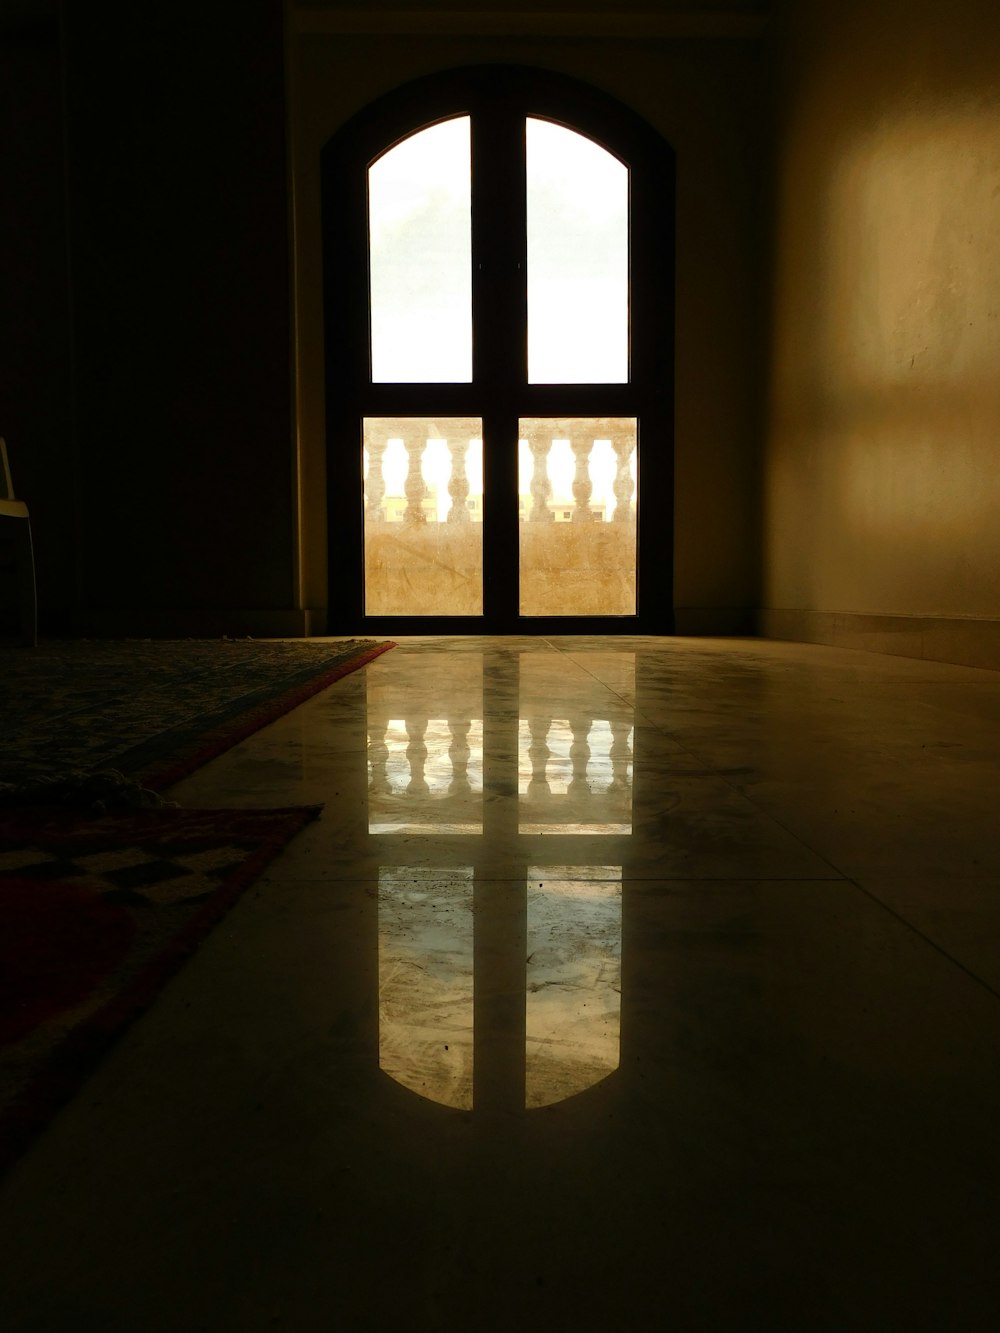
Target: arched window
{"x":498,"y":255}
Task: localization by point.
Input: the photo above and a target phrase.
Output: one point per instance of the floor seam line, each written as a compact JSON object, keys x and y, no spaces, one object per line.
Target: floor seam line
{"x":873,"y":897}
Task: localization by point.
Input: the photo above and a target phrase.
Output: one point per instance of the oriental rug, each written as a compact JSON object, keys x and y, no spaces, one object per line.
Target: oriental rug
{"x":154,"y":710}
{"x":105,"y":888}
{"x":95,"y":916}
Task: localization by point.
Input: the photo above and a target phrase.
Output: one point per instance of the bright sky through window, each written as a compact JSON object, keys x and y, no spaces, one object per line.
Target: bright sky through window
{"x":420,"y":232}
{"x":421,"y":258}
{"x":577,"y":259}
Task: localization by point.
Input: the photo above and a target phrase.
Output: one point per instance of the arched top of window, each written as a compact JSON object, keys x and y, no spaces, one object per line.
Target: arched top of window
{"x":412,"y":186}
{"x":420,"y":257}
{"x":577,"y":219}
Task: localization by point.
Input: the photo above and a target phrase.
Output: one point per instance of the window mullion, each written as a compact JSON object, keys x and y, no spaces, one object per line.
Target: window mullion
{"x":499,"y":301}
{"x":499,"y":316}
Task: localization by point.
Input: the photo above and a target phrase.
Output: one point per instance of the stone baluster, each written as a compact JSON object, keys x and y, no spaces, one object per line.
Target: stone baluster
{"x":458,"y":482}
{"x":414,"y":487}
{"x":539,"y":442}
{"x":376,"y":440}
{"x":582,"y":443}
{"x":623,"y":445}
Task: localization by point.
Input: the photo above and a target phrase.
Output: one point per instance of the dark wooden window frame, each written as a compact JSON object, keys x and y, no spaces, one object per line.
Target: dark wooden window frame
{"x":498,"y":98}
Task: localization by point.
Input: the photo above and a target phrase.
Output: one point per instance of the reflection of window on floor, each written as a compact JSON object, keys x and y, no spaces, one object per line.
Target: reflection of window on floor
{"x":425,"y":967}
{"x":574,"y":776}
{"x":536,"y":963}
{"x":425,"y":776}
{"x":573,"y":1010}
{"x":571,"y":975}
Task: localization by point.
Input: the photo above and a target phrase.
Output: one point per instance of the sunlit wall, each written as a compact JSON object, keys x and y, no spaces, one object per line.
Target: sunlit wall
{"x":883,"y":464}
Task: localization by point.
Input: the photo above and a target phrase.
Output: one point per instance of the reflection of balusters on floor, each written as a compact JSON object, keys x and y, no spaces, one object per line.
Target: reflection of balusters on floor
{"x":579,"y":753}
{"x":539,"y":754}
{"x":621,"y":755}
{"x":459,"y":753}
{"x":416,"y":756}
{"x":378,"y":757}
{"x":539,"y":442}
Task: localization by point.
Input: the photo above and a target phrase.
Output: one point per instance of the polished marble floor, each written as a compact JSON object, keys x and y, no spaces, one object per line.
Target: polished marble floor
{"x":623,"y":984}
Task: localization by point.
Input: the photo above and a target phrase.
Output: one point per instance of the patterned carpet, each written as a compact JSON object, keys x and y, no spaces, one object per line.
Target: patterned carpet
{"x":105,"y":889}
{"x":95,"y":915}
{"x":153,"y":709}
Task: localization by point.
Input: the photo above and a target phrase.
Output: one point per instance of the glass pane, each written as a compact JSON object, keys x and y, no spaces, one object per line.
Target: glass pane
{"x":573,"y":1006}
{"x":423,"y":516}
{"x":577,"y":259}
{"x":420,"y":235}
{"x":577,"y":507}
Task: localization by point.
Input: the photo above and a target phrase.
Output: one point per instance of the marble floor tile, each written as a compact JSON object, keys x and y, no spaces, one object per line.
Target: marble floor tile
{"x":623,"y":984}
{"x":958,"y":914}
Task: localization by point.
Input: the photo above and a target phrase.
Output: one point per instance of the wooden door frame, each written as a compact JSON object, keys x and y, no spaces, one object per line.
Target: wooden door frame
{"x":498,"y":97}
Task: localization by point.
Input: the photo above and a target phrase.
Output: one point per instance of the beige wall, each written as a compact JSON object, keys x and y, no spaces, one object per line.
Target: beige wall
{"x":883,"y":458}
{"x":704,"y":97}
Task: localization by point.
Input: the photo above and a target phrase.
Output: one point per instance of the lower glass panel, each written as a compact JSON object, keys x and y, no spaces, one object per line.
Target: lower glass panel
{"x":423,"y":516}
{"x":577,"y":509}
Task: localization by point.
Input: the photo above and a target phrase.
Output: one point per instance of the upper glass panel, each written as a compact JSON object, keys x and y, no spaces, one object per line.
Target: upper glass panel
{"x":577,"y":259}
{"x":420,"y":246}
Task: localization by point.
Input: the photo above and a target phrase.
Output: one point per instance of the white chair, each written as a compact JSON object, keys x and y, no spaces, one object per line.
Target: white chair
{"x":17,"y":552}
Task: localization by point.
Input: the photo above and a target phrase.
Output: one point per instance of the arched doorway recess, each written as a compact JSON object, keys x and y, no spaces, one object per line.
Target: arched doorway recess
{"x":498,"y":289}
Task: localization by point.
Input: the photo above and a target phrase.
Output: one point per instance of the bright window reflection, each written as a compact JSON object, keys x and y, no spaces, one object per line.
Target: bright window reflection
{"x":578,"y":309}
{"x":574,"y":773}
{"x":574,"y":777}
{"x":420,"y":237}
{"x":425,"y":774}
{"x":573,"y":1007}
{"x":425,"y":974}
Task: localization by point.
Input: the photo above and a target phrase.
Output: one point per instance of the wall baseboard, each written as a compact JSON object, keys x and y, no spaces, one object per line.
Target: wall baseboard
{"x":139,"y":623}
{"x":714,"y":621}
{"x":962,"y":641}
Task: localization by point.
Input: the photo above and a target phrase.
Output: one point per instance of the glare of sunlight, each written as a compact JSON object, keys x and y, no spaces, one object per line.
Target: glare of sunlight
{"x":420,"y":237}
{"x":578,"y":248}
{"x":421,"y":257}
